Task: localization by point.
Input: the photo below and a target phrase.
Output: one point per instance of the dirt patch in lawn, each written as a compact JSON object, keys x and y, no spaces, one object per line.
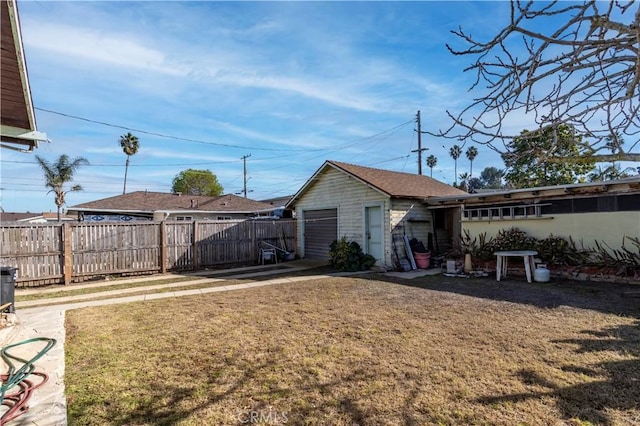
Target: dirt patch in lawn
{"x":358,"y":351}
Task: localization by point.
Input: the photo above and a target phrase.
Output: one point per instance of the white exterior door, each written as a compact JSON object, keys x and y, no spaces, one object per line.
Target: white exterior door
{"x":373,"y":232}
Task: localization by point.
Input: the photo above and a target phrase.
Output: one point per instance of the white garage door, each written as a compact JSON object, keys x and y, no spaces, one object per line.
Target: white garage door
{"x":320,"y":230}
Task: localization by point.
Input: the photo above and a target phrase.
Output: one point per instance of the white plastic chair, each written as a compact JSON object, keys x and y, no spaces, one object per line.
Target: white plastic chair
{"x":267,"y":254}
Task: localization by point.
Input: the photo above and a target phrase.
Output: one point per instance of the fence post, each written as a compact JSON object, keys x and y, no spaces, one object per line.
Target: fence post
{"x":67,"y":254}
{"x":254,"y":244}
{"x":196,"y":262}
{"x":163,"y":247}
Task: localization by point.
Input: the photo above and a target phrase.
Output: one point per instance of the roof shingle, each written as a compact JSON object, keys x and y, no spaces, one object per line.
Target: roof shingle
{"x":398,"y":184}
{"x":161,"y":201}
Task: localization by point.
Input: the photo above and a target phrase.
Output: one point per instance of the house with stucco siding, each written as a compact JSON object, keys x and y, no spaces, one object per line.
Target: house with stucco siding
{"x":606,"y":212}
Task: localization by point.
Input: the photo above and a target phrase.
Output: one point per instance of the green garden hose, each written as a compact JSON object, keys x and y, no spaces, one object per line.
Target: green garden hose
{"x":16,"y":388}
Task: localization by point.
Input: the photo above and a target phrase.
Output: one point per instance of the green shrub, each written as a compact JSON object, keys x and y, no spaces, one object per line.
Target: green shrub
{"x":552,"y":250}
{"x":348,"y":256}
{"x":560,"y":251}
{"x":479,"y":247}
{"x":604,"y":255}
{"x":513,"y":239}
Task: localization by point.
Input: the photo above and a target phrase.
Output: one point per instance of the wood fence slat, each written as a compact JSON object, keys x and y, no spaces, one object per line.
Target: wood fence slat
{"x":74,"y":252}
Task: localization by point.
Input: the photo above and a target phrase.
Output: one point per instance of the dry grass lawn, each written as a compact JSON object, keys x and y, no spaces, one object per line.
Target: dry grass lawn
{"x":363,"y":351}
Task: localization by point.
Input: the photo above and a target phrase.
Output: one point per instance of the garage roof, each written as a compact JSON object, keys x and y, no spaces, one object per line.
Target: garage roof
{"x":393,"y":184}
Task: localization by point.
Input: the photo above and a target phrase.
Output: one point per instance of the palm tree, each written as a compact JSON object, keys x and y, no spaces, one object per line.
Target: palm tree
{"x":58,"y":173}
{"x":455,"y":152}
{"x":130,"y":145}
{"x":464,"y":181}
{"x":431,"y":162}
{"x":472,"y":153}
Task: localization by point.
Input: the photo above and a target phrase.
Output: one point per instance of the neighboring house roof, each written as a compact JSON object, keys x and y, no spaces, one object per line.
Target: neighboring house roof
{"x":17,"y":119}
{"x":630,"y":184}
{"x":53,"y":217}
{"x":278,"y":201}
{"x":393,"y":184}
{"x":14,"y":217}
{"x":149,"y":202}
{"x":33,"y":217}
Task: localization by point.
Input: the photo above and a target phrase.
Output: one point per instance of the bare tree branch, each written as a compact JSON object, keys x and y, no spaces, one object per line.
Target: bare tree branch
{"x":595,"y":158}
{"x":584,"y":73}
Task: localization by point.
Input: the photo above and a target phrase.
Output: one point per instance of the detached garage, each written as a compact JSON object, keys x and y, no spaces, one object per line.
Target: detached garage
{"x":321,"y":229}
{"x":365,"y":205}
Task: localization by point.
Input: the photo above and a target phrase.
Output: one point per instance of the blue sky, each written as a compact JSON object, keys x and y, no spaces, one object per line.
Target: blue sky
{"x":290,"y":83}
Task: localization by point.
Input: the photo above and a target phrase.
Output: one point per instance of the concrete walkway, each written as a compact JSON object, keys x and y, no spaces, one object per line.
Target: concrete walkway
{"x":47,"y":406}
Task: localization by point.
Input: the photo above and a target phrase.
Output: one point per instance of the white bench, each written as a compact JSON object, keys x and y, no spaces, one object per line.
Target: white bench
{"x":503,"y":261}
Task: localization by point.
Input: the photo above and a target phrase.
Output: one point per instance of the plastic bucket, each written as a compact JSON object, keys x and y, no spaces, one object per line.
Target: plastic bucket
{"x":422,"y":260}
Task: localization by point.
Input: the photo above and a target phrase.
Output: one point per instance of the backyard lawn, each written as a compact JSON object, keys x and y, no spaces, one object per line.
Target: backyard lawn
{"x":361,"y":351}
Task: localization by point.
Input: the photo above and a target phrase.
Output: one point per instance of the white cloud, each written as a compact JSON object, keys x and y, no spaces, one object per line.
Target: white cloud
{"x":93,"y":45}
{"x":314,"y":81}
{"x":332,"y":93}
{"x":91,"y":150}
{"x":184,"y":155}
{"x":339,"y":75}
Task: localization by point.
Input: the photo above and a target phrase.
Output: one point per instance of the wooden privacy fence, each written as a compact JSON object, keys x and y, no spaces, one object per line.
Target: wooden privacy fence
{"x":75,"y":252}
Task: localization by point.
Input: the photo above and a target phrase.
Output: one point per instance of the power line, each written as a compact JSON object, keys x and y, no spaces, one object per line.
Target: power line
{"x":386,"y":133}
{"x":162,"y":135}
{"x":134,"y":165}
{"x":371,"y":141}
{"x":146,"y":132}
{"x":389,"y":160}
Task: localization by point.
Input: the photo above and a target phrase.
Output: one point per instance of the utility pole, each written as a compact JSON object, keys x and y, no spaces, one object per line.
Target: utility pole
{"x":420,"y":148}
{"x":244,"y":163}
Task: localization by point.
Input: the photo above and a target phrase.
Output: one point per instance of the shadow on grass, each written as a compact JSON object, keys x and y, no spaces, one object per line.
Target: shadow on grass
{"x":614,"y":384}
{"x":589,"y":402}
{"x":610,"y":298}
{"x":159,"y":405}
{"x":619,"y":384}
{"x":163,"y":406}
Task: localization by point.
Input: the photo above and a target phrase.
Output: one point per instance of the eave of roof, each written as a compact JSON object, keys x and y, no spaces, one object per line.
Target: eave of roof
{"x":16,"y":132}
{"x":539,"y":192}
